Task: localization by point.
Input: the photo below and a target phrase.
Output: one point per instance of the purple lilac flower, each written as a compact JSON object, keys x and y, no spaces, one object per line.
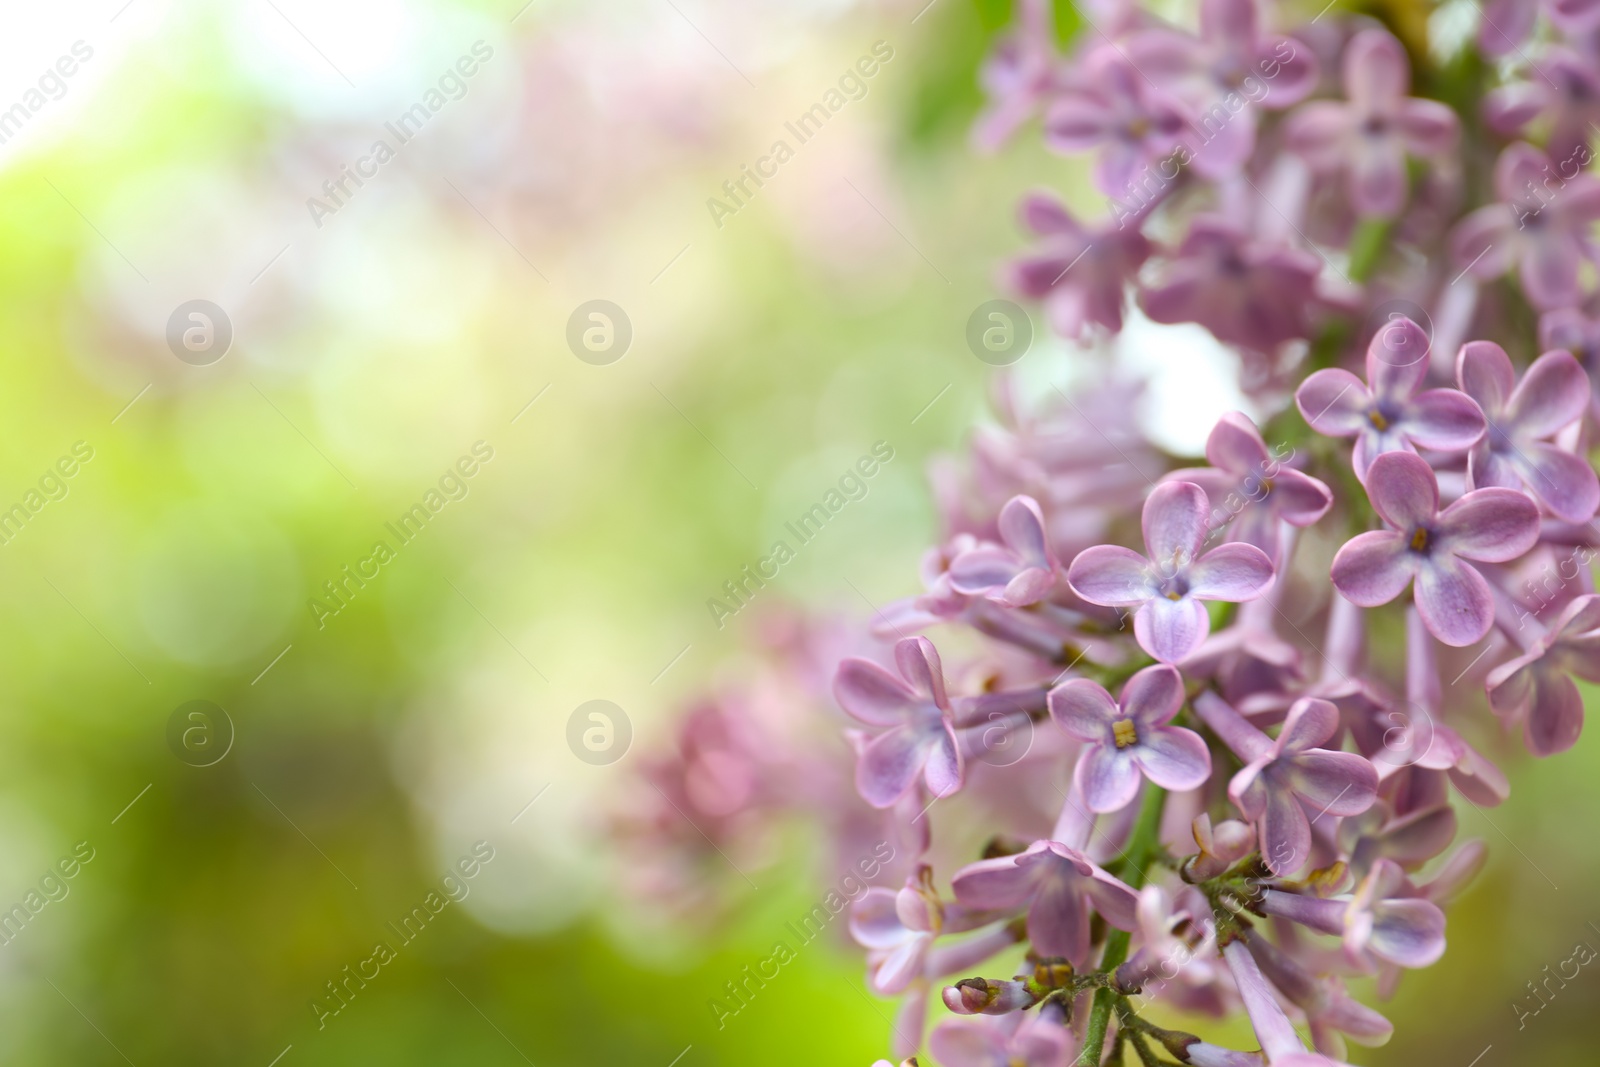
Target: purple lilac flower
{"x":1572,"y":330}
{"x":1329,"y":1010}
{"x":920,"y":739}
{"x":1253,"y":484}
{"x":1123,"y":741}
{"x":1386,"y":412}
{"x":1022,"y":572}
{"x":1221,"y":846}
{"x":1522,"y":416}
{"x":1409,"y":840}
{"x":1432,"y":546}
{"x":1507,"y":23}
{"x":1563,"y":93}
{"x":897,"y":929}
{"x":1376,"y":922}
{"x":1114,"y":108}
{"x":1041,"y":1040}
{"x":1080,"y":274}
{"x":1233,"y":62}
{"x":1244,"y":292}
{"x":1285,"y":772}
{"x":1370,"y":136}
{"x":1018,"y":76}
{"x":1059,"y":886}
{"x":1168,"y":587}
{"x":1536,"y":688}
{"x":1540,"y":226}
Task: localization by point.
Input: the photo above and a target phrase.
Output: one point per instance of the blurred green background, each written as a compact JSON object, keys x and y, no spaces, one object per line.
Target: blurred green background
{"x":371,"y":751}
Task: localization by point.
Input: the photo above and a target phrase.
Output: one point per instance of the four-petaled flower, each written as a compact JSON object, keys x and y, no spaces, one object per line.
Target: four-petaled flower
{"x":1286,"y":771}
{"x":1080,"y":274}
{"x":1266,"y":491}
{"x":1124,"y":740}
{"x":921,"y":739}
{"x":1552,"y":395}
{"x":1386,"y":413}
{"x":1115,"y":108}
{"x":1021,"y":573}
{"x":1057,"y":885}
{"x":1168,"y":587}
{"x":1431,"y":546}
{"x":1535,"y":688}
{"x":1379,"y":923}
{"x":1546,"y":238}
{"x":1370,"y":136}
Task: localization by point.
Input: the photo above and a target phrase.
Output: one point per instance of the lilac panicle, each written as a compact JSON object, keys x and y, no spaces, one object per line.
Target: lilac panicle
{"x":1535,"y":689}
{"x":1168,"y":587}
{"x":1434,"y":547}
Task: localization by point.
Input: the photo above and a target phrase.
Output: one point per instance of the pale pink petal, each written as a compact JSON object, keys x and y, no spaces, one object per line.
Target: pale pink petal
{"x":1373,"y":568}
{"x":1319,"y":132}
{"x":1565,"y":483}
{"x":968,"y":1043}
{"x":1403,"y":489}
{"x":1397,"y":359}
{"x":1377,"y":74}
{"x":942,"y":772}
{"x":1430,"y":129}
{"x":873,"y":921}
{"x":1083,"y":709}
{"x":1334,"y":402}
{"x":1108,"y":777}
{"x":1485,"y":243}
{"x":1484,"y":372}
{"x":1377,"y":178}
{"x":1285,"y":833}
{"x":1490,"y":525}
{"x":1408,"y":932}
{"x":995,"y":884}
{"x":1174,"y":522}
{"x":1300,"y":499}
{"x":889,"y":765}
{"x":1444,"y":419}
{"x":1173,"y":758}
{"x":1057,"y":921}
{"x":1153,"y":696}
{"x":1111,"y":576}
{"x":871,"y":694}
{"x":919,"y":664}
{"x":1171,"y":629}
{"x":983,"y":569}
{"x":1555,"y":716}
{"x":1338,"y":783}
{"x":1550,"y":272}
{"x":1454,"y":600}
{"x":1296,"y":76}
{"x":1234,"y":572}
{"x":1310,"y":723}
{"x":1553,"y":394}
{"x":1235,"y":445}
{"x":1228,"y":22}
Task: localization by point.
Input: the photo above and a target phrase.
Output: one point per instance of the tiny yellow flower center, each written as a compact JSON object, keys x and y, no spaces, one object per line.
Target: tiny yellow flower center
{"x":1419,"y":540}
{"x":1377,"y":419}
{"x":1173,"y":594}
{"x":1124,"y":733}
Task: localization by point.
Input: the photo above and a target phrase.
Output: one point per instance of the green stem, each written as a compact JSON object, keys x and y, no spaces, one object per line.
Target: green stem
{"x":1135,"y":858}
{"x":1366,"y":245}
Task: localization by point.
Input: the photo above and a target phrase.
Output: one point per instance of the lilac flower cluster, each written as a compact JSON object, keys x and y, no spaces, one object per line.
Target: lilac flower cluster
{"x":1249,"y":809}
{"x":1137,"y":696}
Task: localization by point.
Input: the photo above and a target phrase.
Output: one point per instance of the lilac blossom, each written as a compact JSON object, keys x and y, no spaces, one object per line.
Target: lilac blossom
{"x":1018,"y":76}
{"x":1540,"y":227}
{"x":1280,"y":1045}
{"x":1168,"y":587}
{"x":1370,"y":136}
{"x":1254,"y":485}
{"x":1563,"y":93}
{"x":1058,"y":885}
{"x":920,"y":738}
{"x":1376,"y":922}
{"x":1245,"y":292}
{"x":1114,"y":108}
{"x":1506,"y":24}
{"x":1433,"y":547}
{"x":1522,"y":416}
{"x":1020,"y":573}
{"x":1536,"y":689}
{"x":1132,"y":738}
{"x":1387,"y":413}
{"x":1232,"y":66}
{"x":1283,"y":773}
{"x":1081,"y":274}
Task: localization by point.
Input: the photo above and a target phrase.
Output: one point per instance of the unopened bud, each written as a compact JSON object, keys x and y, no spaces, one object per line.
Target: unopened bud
{"x":982,"y":996}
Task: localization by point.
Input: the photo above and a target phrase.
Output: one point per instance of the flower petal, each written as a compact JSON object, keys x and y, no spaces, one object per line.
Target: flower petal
{"x":874,"y":922}
{"x":1111,"y":575}
{"x":1552,"y":395}
{"x":1403,"y":489}
{"x":1337,"y":783}
{"x":919,"y":664}
{"x":1285,"y":833}
{"x":1299,"y":498}
{"x":1234,"y":572}
{"x":1444,"y":419}
{"x":1484,"y":372}
{"x":1563,"y":482}
{"x":1171,"y":629}
{"x":1108,"y":777}
{"x":1550,"y":271}
{"x":969,"y":1043}
{"x":1555,"y":717}
{"x":942,"y":771}
{"x":1310,"y":722}
{"x":1235,"y":446}
{"x":1407,"y":932}
{"x":1022,"y":529}
{"x":1153,"y":696}
{"x":983,"y":569}
{"x":1173,"y":758}
{"x":1492,"y":525}
{"x":1058,"y":924}
{"x":1377,"y":73}
{"x":871,"y":694}
{"x":889,"y":765}
{"x":1397,"y":359}
{"x":1174,"y":522}
{"x":1373,"y":568}
{"x":1334,"y":402}
{"x":996,"y":884}
{"x":1430,"y":129}
{"x":1484,"y":243}
{"x":1454,"y":600}
{"x":1083,"y":710}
